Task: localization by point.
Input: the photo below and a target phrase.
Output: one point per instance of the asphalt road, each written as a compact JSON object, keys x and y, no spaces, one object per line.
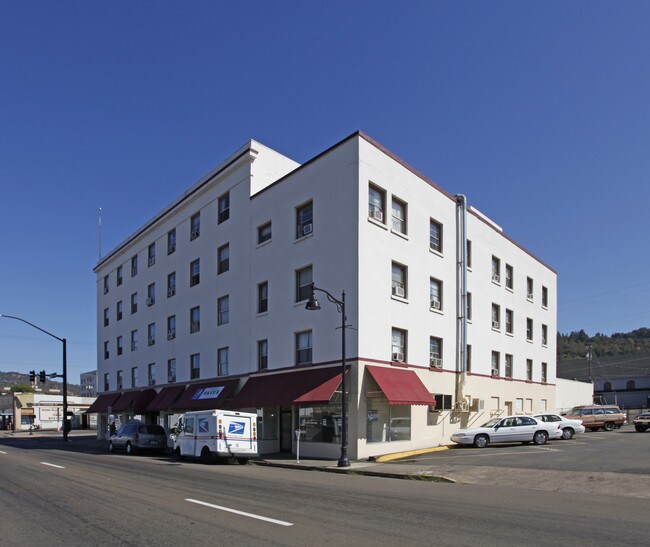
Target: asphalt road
{"x":57,"y":495}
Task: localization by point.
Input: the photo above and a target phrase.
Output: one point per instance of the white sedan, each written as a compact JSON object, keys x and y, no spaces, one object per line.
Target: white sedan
{"x":509,"y":429}
{"x":569,"y":427}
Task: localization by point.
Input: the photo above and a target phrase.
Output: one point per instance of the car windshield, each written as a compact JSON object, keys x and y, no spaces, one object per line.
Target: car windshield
{"x":492,"y":422}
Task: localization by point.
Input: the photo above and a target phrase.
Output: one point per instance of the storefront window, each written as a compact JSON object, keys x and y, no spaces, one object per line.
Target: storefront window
{"x":321,"y":423}
{"x":384,"y":422}
{"x":267,"y":424}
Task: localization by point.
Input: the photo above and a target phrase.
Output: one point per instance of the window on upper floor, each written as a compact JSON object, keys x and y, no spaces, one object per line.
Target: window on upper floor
{"x":435,"y":352}
{"x":529,"y":370}
{"x":134,"y":266}
{"x":119,"y":345}
{"x":134,"y":340}
{"x":171,"y":371}
{"x":530,"y":293}
{"x":509,"y":277}
{"x":496,"y":370}
{"x":195,"y":272}
{"x":496,"y":269}
{"x":469,"y":358}
{"x":304,"y":278}
{"x":304,"y":220}
{"x":631,"y":384}
{"x":106,"y":284}
{"x":469,"y":254}
{"x":508,"y":365}
{"x":106,"y":383}
{"x":399,"y":274}
{"x":435,"y":294}
{"x":171,"y":284}
{"x":398,"y":345}
{"x":264,"y":233}
{"x":195,"y":319}
{"x":106,"y":317}
{"x":195,"y":366}
{"x":399,"y":215}
{"x":171,"y":327}
{"x":224,"y":208}
{"x":262,"y":354}
{"x":263,"y":297}
{"x":134,"y":303}
{"x":151,"y":374}
{"x":171,"y":241}
{"x":120,"y":380}
{"x":303,"y":347}
{"x":222,"y":361}
{"x":118,"y":311}
{"x":151,"y":294}
{"x":223,"y":259}
{"x":435,"y":236}
{"x":510,"y":321}
{"x":469,"y":306}
{"x":376,"y":203}
{"x":119,"y":275}
{"x":544,"y":372}
{"x":151,"y":334}
{"x":544,"y":335}
{"x":134,"y":376}
{"x":106,"y":350}
{"x":223,"y":310}
{"x":151,"y":255}
{"x":195,"y":226}
{"x":544,"y":297}
{"x":496,"y":316}
{"x":529,"y":329}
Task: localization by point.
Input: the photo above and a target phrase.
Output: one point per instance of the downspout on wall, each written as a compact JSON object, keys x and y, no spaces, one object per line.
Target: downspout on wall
{"x":461,"y":278}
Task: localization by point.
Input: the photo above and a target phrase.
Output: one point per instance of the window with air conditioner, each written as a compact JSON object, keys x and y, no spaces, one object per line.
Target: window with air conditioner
{"x":495,"y":363}
{"x":529,"y":329}
{"x":376,"y":203}
{"x":496,"y":316}
{"x":171,"y":327}
{"x":304,"y":220}
{"x":398,"y":345}
{"x":171,"y":241}
{"x":151,"y":255}
{"x":151,"y":333}
{"x":496,"y":270}
{"x":171,"y":284}
{"x":151,"y":294}
{"x":399,"y":280}
{"x":529,"y":289}
{"x":435,"y":294}
{"x":195,"y":226}
{"x":435,"y":352}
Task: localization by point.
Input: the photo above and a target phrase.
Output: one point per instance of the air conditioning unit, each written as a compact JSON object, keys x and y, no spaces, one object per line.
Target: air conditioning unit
{"x":477,"y":405}
{"x":495,"y":372}
{"x":150,"y":301}
{"x":435,"y":362}
{"x":461,"y":406}
{"x":399,"y":357}
{"x":307,"y":229}
{"x":496,"y":278}
{"x":398,"y":291}
{"x":171,"y":292}
{"x":171,"y":334}
{"x":377,"y":215}
{"x":152,"y":260}
{"x":195,"y":233}
{"x":435,"y":304}
{"x":495,"y":324}
{"x":530,"y":296}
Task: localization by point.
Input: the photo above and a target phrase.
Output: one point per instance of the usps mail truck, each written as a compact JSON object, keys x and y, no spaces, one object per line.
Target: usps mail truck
{"x":214,"y":434}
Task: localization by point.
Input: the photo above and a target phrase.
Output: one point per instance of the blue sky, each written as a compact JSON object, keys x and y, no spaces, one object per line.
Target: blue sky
{"x":538,"y":111}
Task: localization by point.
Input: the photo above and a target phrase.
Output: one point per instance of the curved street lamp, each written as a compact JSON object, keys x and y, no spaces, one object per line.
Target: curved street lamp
{"x":64,"y":375}
{"x":314,"y":305}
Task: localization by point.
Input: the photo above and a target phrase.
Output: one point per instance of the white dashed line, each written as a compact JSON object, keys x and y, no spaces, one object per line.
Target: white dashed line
{"x":250,"y":515}
{"x":2,"y":452}
{"x":53,"y":465}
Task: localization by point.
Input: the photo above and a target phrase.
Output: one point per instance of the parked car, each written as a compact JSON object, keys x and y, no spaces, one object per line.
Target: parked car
{"x":642,"y":422}
{"x":137,"y":436}
{"x":569,"y":427}
{"x":509,"y":429}
{"x":596,"y":416}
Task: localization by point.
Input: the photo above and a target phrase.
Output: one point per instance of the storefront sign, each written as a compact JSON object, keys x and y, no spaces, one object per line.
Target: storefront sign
{"x":207,"y":393}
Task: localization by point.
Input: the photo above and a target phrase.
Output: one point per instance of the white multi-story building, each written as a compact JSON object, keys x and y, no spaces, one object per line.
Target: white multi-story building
{"x":88,"y":383}
{"x":449,"y":321}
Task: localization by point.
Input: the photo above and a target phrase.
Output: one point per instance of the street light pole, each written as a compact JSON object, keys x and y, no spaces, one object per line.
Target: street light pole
{"x":313,"y":305}
{"x":65,"y":371}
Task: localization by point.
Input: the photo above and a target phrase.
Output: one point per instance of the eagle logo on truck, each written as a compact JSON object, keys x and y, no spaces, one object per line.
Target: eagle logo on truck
{"x":236,"y":428}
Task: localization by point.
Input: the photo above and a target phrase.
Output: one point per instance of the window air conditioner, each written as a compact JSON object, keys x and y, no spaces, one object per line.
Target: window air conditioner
{"x":495,"y":372}
{"x":171,"y":249}
{"x":435,"y":362}
{"x":150,"y":301}
{"x":477,"y":405}
{"x":152,"y":260}
{"x":496,"y":278}
{"x":530,"y":296}
{"x":377,"y":215}
{"x":171,"y":334}
{"x":495,"y":324}
{"x":171,"y":292}
{"x":398,"y":291}
{"x":461,"y":406}
{"x":399,"y":357}
{"x":435,"y":304}
{"x":307,"y":229}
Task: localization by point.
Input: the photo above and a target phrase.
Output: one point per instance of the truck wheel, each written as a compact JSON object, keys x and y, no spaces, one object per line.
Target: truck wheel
{"x":206,"y":455}
{"x":242,"y":461}
{"x":609,"y":426}
{"x":176,"y":454}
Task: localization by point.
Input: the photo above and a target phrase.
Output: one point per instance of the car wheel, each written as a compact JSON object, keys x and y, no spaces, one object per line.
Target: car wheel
{"x":609,"y":426}
{"x":540,"y":437}
{"x":111,"y":448}
{"x":481,"y":441}
{"x":129,"y":449}
{"x":567,"y":433}
{"x":640,"y":428}
{"x":206,"y":456}
{"x":242,"y":461}
{"x":176,"y":453}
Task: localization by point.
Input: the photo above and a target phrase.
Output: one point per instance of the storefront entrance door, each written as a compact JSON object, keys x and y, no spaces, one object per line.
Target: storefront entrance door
{"x":286,"y":433}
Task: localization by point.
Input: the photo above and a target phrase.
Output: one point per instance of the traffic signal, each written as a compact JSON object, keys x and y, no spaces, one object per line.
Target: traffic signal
{"x":32,"y":376}
{"x":41,"y":376}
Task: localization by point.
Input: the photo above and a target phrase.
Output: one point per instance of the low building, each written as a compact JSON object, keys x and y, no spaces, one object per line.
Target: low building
{"x":25,"y":411}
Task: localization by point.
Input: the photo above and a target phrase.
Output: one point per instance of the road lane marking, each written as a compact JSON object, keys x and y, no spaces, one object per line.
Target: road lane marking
{"x":2,"y":452}
{"x":53,"y":465}
{"x":242,"y":513}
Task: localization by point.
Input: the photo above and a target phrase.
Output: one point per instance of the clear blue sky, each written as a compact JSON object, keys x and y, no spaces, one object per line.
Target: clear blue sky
{"x":538,"y":111}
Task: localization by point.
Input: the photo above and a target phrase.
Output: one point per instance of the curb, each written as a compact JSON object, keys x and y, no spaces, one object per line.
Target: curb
{"x":400,"y":455}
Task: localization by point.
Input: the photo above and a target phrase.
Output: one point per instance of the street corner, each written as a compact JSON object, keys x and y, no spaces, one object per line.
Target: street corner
{"x":400,"y":455}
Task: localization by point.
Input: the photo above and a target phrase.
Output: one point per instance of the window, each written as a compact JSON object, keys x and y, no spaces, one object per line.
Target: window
{"x":195,"y":226}
{"x":222,"y":362}
{"x":303,"y":283}
{"x":171,"y":284}
{"x":106,"y":383}
{"x":263,"y":297}
{"x":171,"y":371}
{"x":508,"y":365}
{"x":469,"y":306}
{"x":151,"y":334}
{"x":118,"y":311}
{"x":495,"y":363}
{"x":469,"y":254}
{"x":630,"y":384}
{"x":529,"y":289}
{"x":435,"y":236}
{"x":134,"y":340}
{"x":134,"y":303}
{"x":509,"y":277}
{"x":435,"y":294}
{"x":398,"y":213}
{"x":469,"y":358}
{"x":120,"y":380}
{"x":105,"y":284}
{"x":496,"y":270}
{"x":134,"y":376}
{"x":544,"y":372}
{"x":529,"y":370}
{"x":496,"y":316}
{"x":544,"y":297}
{"x":443,"y":402}
{"x":151,"y":374}
{"x":195,"y":319}
{"x":304,"y":220}
{"x":134,"y":266}
{"x":224,"y":208}
{"x":435,"y":352}
{"x":223,"y":259}
{"x":171,"y":327}
{"x":510,"y":318}
{"x":151,"y":294}
{"x":544,"y":335}
{"x":529,"y":329}
{"x":264,"y":233}
{"x":607,"y":386}
{"x":223,"y":310}
{"x":398,"y":345}
{"x":376,"y":203}
{"x":303,"y":347}
{"x":120,"y":346}
{"x":398,"y":280}
{"x":151,"y":255}
{"x":195,"y":272}
{"x":262,"y":354}
{"x":119,"y":275}
{"x":195,"y":366}
{"x":106,"y":317}
{"x":171,"y":241}
{"x":106,"y":351}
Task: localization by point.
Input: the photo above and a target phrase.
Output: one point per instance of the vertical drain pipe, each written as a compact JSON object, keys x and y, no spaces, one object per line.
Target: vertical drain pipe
{"x":461,"y":279}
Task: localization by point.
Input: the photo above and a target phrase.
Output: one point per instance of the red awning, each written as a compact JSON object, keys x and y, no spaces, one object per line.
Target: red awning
{"x":166,"y":398}
{"x":206,"y":395}
{"x":401,"y":387}
{"x":102,"y":402}
{"x":135,"y":401}
{"x":285,"y":389}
